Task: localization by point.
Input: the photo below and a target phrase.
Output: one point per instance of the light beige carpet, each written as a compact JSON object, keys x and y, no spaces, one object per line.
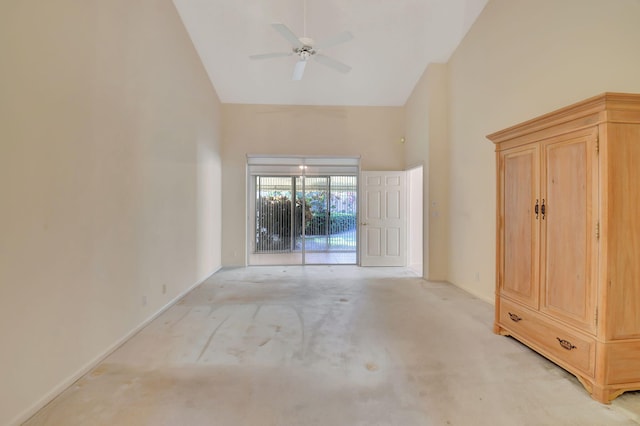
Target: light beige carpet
{"x":328,"y":346}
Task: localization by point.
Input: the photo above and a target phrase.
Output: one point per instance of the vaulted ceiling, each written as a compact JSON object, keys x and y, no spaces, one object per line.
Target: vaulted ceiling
{"x":394,"y":41}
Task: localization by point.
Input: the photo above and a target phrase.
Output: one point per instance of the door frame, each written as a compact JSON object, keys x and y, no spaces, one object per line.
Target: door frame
{"x":416,"y":247}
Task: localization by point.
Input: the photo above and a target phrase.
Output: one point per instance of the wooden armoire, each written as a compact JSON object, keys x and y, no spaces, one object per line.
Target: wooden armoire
{"x":568,"y":239}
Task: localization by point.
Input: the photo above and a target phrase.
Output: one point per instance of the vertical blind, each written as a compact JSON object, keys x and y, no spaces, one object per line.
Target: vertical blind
{"x":303,"y":203}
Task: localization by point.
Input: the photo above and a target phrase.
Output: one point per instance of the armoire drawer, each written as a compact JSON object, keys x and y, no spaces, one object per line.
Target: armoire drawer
{"x":551,"y":339}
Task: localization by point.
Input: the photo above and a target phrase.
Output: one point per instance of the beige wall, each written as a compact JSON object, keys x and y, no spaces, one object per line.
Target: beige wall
{"x":427,"y":143}
{"x":523,"y":58}
{"x":373,"y":133}
{"x":109,"y":183}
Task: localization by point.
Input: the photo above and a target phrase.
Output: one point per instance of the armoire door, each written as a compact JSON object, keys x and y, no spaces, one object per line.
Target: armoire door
{"x":569,"y":228}
{"x":518,"y":234}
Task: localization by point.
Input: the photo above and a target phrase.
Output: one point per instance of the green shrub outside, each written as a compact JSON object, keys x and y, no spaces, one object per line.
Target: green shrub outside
{"x":338,"y":222}
{"x":274,"y":222}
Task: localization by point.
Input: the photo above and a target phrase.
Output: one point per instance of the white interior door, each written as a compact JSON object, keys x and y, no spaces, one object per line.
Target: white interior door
{"x":383,"y":219}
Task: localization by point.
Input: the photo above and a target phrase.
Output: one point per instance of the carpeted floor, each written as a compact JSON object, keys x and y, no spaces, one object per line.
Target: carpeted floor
{"x":336,"y":345}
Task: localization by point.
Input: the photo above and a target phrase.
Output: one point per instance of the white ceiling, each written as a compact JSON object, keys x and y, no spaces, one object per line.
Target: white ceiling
{"x":394,"y":41}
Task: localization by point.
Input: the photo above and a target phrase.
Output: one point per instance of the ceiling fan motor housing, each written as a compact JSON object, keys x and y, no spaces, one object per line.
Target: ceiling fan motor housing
{"x":304,"y":52}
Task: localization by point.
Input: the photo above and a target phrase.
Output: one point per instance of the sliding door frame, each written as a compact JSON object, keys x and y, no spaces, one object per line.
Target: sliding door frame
{"x":294,"y":167}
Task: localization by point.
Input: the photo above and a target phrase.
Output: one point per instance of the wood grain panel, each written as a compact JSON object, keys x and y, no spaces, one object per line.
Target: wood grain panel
{"x":520,"y":226}
{"x":566,"y":347}
{"x":568,"y":229}
{"x":623,"y":366}
{"x":624,"y":231}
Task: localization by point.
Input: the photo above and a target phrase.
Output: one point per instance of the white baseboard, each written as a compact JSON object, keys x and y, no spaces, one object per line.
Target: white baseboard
{"x":490,"y":300}
{"x":62,"y":386}
{"x":416,"y":267}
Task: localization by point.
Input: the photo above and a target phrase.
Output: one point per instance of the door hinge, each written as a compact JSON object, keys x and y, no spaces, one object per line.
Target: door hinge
{"x":598,"y":230}
{"x":597,"y":143}
{"x":596,"y":316}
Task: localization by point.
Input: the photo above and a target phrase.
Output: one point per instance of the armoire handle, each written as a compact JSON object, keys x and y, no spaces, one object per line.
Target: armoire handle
{"x":543,"y":209}
{"x":566,"y":344}
{"x":514,"y":317}
{"x":537,"y":209}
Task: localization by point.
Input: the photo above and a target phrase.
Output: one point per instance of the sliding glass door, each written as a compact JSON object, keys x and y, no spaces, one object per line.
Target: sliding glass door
{"x":278,"y":214}
{"x":303,"y":219}
{"x":330,"y":232}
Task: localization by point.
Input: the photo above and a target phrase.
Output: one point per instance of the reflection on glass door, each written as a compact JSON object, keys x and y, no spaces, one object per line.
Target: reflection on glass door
{"x":330,"y":233}
{"x":276,"y":209}
{"x":305,"y":220}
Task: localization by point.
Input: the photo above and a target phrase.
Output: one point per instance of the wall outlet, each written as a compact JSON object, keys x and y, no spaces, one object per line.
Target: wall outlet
{"x":164,"y":289}
{"x":144,"y":300}
{"x":477,"y":276}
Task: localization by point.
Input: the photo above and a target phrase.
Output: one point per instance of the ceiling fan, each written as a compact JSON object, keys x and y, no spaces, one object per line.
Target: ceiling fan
{"x":305,"y":48}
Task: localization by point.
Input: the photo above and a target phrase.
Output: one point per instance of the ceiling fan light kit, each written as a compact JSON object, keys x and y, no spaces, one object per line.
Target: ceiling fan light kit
{"x":305,"y":48}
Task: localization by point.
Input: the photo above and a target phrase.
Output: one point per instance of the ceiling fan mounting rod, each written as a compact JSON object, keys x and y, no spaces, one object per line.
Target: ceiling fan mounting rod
{"x":304,"y":18}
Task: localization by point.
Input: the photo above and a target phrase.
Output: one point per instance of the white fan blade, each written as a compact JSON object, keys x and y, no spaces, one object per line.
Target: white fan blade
{"x":332,"y":63}
{"x":288,"y":34}
{"x":270,"y":55}
{"x":299,"y":70}
{"x":333,"y":41}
